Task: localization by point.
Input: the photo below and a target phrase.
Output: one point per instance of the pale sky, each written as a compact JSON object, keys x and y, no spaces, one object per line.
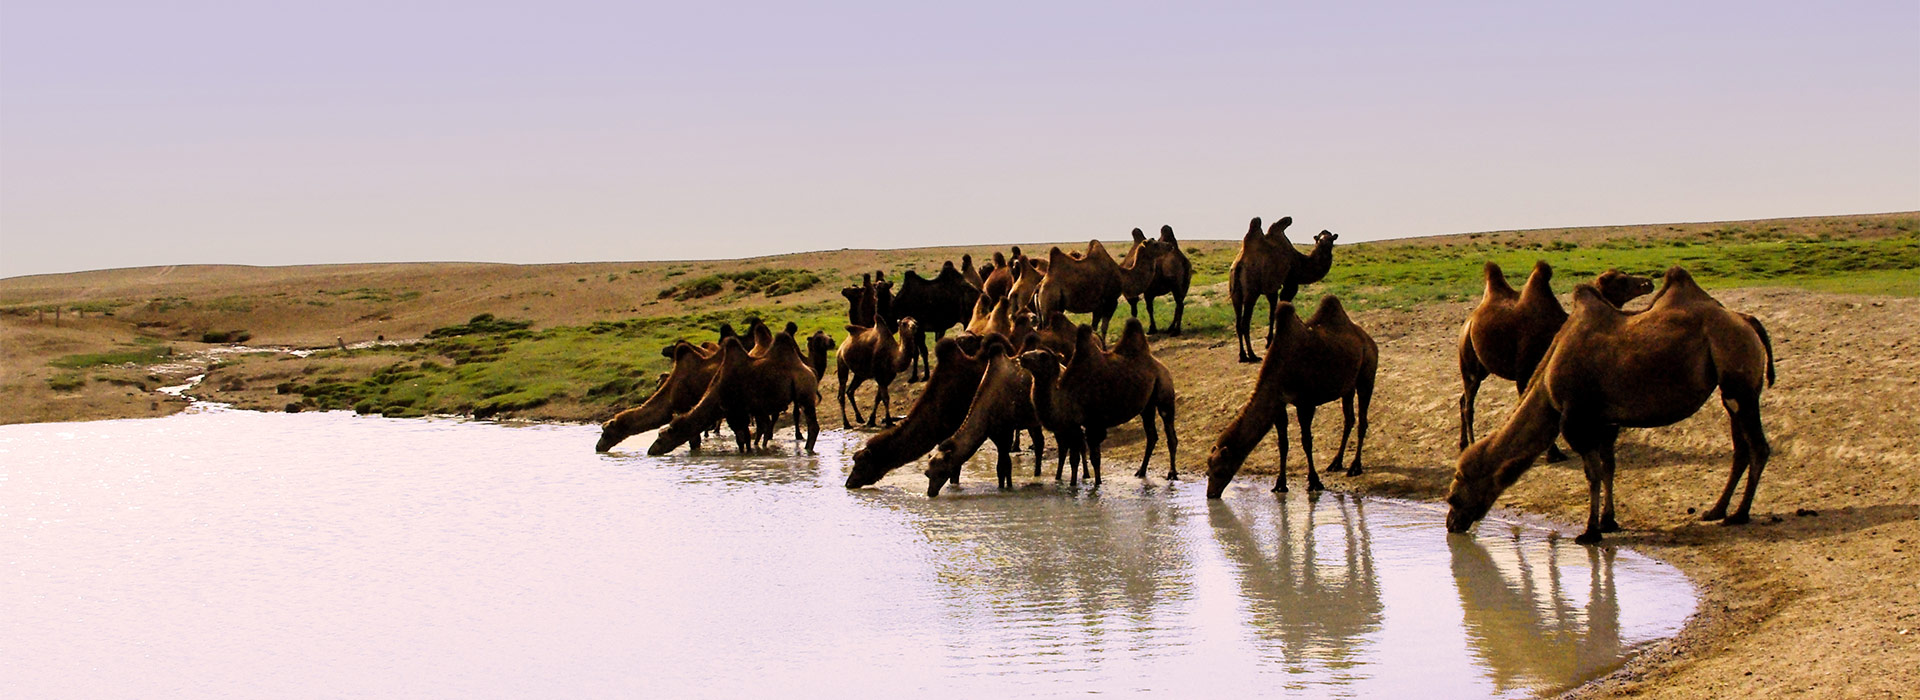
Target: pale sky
{"x":144,"y":133}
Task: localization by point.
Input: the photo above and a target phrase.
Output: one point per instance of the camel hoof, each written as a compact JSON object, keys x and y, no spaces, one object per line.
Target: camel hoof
{"x":1173,"y":476}
{"x":1588,"y":537}
{"x":1250,"y":359}
{"x":1141,"y":475}
{"x":1315,"y":485}
{"x":1354,"y":470}
{"x":1736,"y":519}
{"x":1715,"y":514}
{"x":1553,"y":455}
{"x":1279,"y":488}
{"x":1609,"y":526}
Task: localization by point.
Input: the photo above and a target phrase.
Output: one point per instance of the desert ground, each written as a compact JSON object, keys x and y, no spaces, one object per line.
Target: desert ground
{"x":1819,"y":596}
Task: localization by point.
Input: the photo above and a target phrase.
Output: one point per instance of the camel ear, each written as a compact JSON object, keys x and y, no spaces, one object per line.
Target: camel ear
{"x":1166,"y":234}
{"x":1138,"y":236}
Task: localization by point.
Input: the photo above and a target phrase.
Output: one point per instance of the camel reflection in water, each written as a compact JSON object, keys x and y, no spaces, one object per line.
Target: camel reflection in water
{"x":1522,"y":620}
{"x":1308,"y":605}
{"x":1085,"y":579}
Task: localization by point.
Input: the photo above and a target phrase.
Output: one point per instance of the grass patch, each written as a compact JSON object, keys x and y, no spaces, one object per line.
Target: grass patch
{"x":144,"y":353}
{"x":765,"y":281}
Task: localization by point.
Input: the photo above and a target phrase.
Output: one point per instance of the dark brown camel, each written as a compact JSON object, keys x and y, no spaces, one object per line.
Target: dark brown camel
{"x":693,"y":369}
{"x":1260,"y":270}
{"x":1309,"y":364}
{"x":745,"y":388}
{"x":1156,"y":267}
{"x":1082,"y":283}
{"x":1610,"y":369}
{"x":1509,"y":332}
{"x":819,"y":347}
{"x":861,"y":300}
{"x":1002,"y":405}
{"x":936,"y":304}
{"x":878,"y":352}
{"x":1306,"y":268}
{"x":1099,"y":389}
{"x":933,"y":417}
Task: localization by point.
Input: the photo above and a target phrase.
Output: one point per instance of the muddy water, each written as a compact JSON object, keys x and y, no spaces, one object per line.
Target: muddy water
{"x":227,"y":553}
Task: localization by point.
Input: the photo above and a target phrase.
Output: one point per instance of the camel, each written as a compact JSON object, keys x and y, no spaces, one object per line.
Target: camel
{"x":1082,"y":283}
{"x":1509,"y":332}
{"x":1259,"y":270}
{"x":938,"y":412}
{"x":969,"y":273}
{"x":819,"y":346}
{"x":1155,"y":267}
{"x":745,"y":388}
{"x":1306,"y":268}
{"x":1002,"y":405}
{"x":1610,"y":369}
{"x":873,"y":352}
{"x":693,"y":369}
{"x":998,"y":319}
{"x":861,"y":301}
{"x":936,"y":304}
{"x":1099,"y":389}
{"x":1026,"y":284}
{"x":1060,"y":334}
{"x":1309,"y":364}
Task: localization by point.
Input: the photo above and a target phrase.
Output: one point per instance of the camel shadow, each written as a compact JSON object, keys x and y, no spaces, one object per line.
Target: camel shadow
{"x":1783,"y":526}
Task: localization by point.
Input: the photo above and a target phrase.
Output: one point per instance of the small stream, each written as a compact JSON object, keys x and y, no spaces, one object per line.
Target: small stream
{"x":241,"y":554}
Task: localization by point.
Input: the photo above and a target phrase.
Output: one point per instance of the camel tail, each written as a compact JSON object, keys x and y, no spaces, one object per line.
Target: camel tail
{"x":1766,"y":340}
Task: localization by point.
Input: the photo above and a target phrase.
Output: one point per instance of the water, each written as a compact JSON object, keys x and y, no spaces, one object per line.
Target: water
{"x":228,"y":553}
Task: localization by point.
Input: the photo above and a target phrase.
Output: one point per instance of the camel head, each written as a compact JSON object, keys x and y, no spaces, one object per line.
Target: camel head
{"x":1223,"y":463}
{"x":1619,"y":287}
{"x":1478,"y":479}
{"x":611,"y":433}
{"x":942,"y":467}
{"x":1043,"y":364}
{"x":1324,"y":238}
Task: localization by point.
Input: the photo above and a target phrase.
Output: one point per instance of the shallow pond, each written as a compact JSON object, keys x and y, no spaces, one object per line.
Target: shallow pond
{"x":231,"y":553}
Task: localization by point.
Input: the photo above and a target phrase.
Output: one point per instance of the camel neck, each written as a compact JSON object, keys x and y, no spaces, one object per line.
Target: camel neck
{"x":1529,"y":432}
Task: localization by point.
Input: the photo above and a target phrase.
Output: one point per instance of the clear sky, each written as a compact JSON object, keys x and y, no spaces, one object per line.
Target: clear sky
{"x":147,"y":133}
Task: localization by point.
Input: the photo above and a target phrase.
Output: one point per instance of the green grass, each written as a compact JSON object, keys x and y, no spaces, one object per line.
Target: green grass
{"x":1404,"y":275}
{"x":145,"y":352}
{"x":608,"y":363}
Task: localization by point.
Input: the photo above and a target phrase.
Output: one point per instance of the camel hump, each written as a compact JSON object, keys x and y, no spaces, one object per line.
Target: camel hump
{"x":1139,"y":235}
{"x":1540,"y":281}
{"x":792,"y":328}
{"x":1497,"y":281}
{"x":853,"y":330}
{"x":947,"y":350}
{"x":1679,"y":287}
{"x":732,"y":346}
{"x":1133,"y":340}
{"x":1056,"y":256}
{"x":1083,"y":341}
{"x":785,"y":344}
{"x":1281,"y":225}
{"x":1331,"y":313}
{"x":1166,"y":234}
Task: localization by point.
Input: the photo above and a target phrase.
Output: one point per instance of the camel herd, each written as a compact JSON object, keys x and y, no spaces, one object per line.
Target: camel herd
{"x":1020,"y":364}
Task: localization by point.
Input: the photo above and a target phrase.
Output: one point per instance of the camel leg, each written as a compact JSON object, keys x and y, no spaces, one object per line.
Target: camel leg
{"x":1747,"y":417}
{"x":1364,"y":388}
{"x":1039,"y":444}
{"x":1471,"y":374}
{"x":1003,"y":467}
{"x":1280,"y":442}
{"x":813,"y":425}
{"x":742,"y":432}
{"x":1273,"y":316}
{"x":1153,"y":437}
{"x":841,"y":394}
{"x":1607,"y":523}
{"x":1287,"y":291}
{"x":1173,"y":443}
{"x":1304,"y":413}
{"x":1346,"y":431}
{"x":1095,"y":436}
{"x":1151,"y":327}
{"x":1592,"y":441}
{"x":1240,"y":323}
{"x":1179,"y":315}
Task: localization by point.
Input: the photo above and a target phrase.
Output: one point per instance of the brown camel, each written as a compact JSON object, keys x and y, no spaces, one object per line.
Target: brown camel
{"x":878,"y":352}
{"x":1260,"y":270}
{"x":938,"y":412}
{"x":998,"y":319}
{"x":1309,"y":364}
{"x":693,"y":368}
{"x":1027,"y":278}
{"x":819,"y":347}
{"x":1082,"y":283}
{"x":861,"y":300}
{"x":1156,"y":267}
{"x":935,"y":305}
{"x":1306,"y":268}
{"x":1609,"y":369}
{"x":1509,"y":332}
{"x":1099,"y":389}
{"x":746,"y":388}
{"x":1002,"y":405}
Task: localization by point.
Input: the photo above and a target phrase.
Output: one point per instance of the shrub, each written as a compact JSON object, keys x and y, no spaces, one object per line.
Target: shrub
{"x":481,"y":324}
{"x":66,"y":382}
